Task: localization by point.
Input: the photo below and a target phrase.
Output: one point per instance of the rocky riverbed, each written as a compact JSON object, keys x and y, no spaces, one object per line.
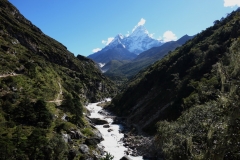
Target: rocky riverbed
{"x":116,"y":141}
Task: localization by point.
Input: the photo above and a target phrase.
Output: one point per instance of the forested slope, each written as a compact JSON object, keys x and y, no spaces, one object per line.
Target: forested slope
{"x":41,"y":82}
{"x":190,"y":99}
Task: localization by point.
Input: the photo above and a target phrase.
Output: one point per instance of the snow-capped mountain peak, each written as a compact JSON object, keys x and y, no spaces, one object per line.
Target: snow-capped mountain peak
{"x":117,"y":41}
{"x":139,"y":31}
{"x":138,"y":41}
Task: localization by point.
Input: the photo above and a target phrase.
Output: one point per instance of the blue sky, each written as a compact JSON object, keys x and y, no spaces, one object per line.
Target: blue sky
{"x":84,"y":25}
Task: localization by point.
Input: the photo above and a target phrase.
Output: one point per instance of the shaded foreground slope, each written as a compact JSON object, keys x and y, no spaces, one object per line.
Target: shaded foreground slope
{"x":193,"y":94}
{"x":35,"y":72}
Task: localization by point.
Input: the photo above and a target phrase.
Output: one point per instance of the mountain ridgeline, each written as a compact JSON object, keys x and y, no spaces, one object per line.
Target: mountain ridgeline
{"x":124,"y":57}
{"x":43,"y":88}
{"x":189,"y":100}
{"x":143,"y":60}
{"x":126,"y":48}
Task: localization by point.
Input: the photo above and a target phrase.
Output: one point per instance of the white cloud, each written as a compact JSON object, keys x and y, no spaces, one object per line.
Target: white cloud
{"x":169,"y":36}
{"x":109,"y":40}
{"x":140,"y":23}
{"x":231,"y":3}
{"x":96,"y":50}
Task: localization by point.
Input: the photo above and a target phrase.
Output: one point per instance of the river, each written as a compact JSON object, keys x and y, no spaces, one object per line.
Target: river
{"x":112,"y":140}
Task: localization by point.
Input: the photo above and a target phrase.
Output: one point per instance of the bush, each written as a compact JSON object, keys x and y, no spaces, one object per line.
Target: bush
{"x":108,"y":156}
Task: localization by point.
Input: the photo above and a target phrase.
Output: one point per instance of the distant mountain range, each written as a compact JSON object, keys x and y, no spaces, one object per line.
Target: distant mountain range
{"x":126,"y":56}
{"x":126,"y":48}
{"x":127,"y":69}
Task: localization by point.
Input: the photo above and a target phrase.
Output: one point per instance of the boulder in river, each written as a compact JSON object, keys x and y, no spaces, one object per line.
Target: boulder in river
{"x":110,"y":130}
{"x":106,"y":126}
{"x":103,"y":112}
{"x":98,"y":121}
{"x":125,"y":158}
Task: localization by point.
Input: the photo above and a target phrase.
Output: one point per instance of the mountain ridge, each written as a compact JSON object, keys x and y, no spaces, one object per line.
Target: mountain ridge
{"x":138,"y":41}
{"x":146,"y":58}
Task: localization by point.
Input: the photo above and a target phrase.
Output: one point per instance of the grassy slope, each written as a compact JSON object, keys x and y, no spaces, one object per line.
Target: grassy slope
{"x":44,"y":67}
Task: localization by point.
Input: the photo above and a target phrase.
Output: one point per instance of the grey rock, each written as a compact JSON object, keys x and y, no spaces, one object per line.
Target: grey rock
{"x":66,"y":138}
{"x":84,"y":149}
{"x":97,"y":134}
{"x":76,"y":134}
{"x":106,"y":126}
{"x":98,"y":121}
{"x":110,"y":130}
{"x":125,"y":158}
{"x":92,"y":141}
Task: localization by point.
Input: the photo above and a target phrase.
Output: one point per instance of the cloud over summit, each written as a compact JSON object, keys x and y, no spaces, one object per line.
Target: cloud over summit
{"x":231,"y":3}
{"x":168,"y":36}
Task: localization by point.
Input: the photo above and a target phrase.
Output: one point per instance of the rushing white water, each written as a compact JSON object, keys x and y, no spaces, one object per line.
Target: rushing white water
{"x":112,"y":140}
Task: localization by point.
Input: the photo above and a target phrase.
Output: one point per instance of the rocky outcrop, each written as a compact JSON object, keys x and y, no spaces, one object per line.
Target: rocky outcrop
{"x":76,"y":134}
{"x":84,"y":149}
{"x":92,"y":141}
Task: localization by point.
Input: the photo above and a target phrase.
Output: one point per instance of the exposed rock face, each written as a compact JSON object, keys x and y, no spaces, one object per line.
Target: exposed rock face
{"x":97,"y":134}
{"x":76,"y":134}
{"x":84,"y":149}
{"x":140,"y":145}
{"x":66,"y":138}
{"x":92,"y":141}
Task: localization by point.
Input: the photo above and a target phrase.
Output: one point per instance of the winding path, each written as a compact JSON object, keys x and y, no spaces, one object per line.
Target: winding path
{"x":9,"y":75}
{"x":58,"y":100}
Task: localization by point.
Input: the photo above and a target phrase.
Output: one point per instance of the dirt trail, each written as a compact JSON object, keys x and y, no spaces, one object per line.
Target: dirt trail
{"x":9,"y":75}
{"x":58,"y":100}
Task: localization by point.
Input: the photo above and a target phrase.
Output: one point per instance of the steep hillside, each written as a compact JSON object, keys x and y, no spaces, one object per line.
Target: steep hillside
{"x":193,"y":94}
{"x":116,"y":53}
{"x":29,"y":52}
{"x":41,"y":85}
{"x":113,"y":64}
{"x":145,"y":59}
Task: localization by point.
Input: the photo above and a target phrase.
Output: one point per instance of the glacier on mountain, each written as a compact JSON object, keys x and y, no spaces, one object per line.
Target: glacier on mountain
{"x":138,"y":41}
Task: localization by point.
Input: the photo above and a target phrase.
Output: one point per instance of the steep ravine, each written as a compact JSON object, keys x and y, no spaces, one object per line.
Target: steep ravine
{"x":114,"y":139}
